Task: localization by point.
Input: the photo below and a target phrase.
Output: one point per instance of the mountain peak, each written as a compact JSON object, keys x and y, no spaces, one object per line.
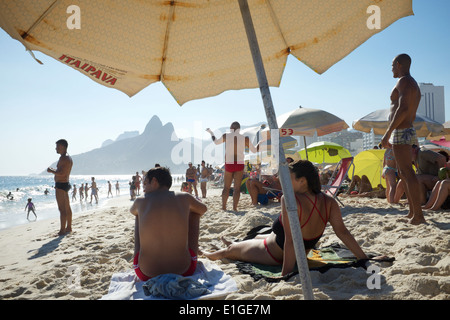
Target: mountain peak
{"x":153,"y":125}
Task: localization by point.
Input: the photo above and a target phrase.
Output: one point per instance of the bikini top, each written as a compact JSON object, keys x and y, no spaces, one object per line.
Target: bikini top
{"x":278,"y":228}
{"x":389,"y":155}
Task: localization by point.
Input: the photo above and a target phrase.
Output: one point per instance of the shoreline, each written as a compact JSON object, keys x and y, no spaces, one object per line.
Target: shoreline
{"x":35,"y":264}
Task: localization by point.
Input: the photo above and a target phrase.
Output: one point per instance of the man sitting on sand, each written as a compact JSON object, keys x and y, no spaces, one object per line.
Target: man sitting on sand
{"x":428,"y":164}
{"x":257,"y":190}
{"x":166,"y":228}
{"x":359,"y":185}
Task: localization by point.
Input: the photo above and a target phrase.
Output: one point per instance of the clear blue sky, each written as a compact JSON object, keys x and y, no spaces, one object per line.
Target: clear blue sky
{"x":40,"y":104}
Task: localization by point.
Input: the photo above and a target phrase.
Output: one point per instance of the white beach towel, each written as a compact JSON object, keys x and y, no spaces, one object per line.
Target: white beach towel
{"x":127,"y":286}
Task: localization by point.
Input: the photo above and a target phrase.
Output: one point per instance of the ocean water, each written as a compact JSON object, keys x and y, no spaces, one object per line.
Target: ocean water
{"x":13,"y":213}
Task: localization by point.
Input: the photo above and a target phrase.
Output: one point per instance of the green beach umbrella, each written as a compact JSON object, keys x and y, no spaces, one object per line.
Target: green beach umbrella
{"x":324,"y":152}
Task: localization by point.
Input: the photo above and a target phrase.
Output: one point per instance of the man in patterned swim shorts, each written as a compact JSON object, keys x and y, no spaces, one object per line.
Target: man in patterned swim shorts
{"x":401,"y":135}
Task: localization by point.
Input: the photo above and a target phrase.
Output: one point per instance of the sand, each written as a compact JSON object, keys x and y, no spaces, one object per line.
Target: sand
{"x":35,"y":264}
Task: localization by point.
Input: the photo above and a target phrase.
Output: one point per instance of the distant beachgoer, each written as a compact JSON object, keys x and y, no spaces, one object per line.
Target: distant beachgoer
{"x":191,"y":178}
{"x":185,"y":187}
{"x":109,"y":189}
{"x":401,"y":135}
{"x":94,"y":190}
{"x":86,"y":189}
{"x":390,"y":174}
{"x":9,"y":196}
{"x":132,"y":188}
{"x":46,"y":192}
{"x":439,"y":196}
{"x":256,"y":189}
{"x":359,"y":185}
{"x":428,"y":164}
{"x":166,"y":228}
{"x":117,"y":188}
{"x":235,"y":144}
{"x":74,"y":192}
{"x":81,"y":191}
{"x":30,"y":206}
{"x":137,"y":183}
{"x":204,"y":174}
{"x":377,"y":192}
{"x":315,"y":210}
{"x":62,"y":186}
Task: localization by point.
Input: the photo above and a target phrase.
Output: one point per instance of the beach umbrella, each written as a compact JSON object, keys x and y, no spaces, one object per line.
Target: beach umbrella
{"x":200,"y":48}
{"x":308,"y":122}
{"x":370,"y":163}
{"x":324,"y":152}
{"x":259,"y":133}
{"x":379,"y":121}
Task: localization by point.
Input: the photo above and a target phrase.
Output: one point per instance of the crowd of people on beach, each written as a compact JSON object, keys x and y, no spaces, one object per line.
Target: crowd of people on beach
{"x":432,"y":171}
{"x":167,"y":222}
{"x":83,"y":191}
{"x":315,"y":209}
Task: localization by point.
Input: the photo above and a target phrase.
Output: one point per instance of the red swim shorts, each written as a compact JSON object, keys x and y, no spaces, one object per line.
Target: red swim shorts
{"x":143,"y":277}
{"x":234,"y":167}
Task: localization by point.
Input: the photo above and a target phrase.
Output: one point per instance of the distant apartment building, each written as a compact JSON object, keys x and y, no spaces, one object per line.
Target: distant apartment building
{"x":432,"y":103}
{"x":349,"y":139}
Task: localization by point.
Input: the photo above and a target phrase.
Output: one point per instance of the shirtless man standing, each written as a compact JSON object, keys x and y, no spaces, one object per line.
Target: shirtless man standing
{"x":204,"y":177}
{"x":401,"y":135}
{"x":94,"y":190}
{"x":235,"y":144}
{"x":166,"y":228}
{"x":62,"y":186}
{"x":191,"y":178}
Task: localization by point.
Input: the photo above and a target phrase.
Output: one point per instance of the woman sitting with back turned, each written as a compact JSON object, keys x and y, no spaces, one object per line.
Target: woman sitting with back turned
{"x":315,"y":210}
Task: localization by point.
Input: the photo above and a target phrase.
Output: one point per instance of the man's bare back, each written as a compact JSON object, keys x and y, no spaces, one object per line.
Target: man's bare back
{"x":164,"y":232}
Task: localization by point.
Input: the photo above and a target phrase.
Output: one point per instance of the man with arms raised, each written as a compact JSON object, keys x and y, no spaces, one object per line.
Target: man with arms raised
{"x":401,"y":135}
{"x":166,"y":228}
{"x":62,"y":186}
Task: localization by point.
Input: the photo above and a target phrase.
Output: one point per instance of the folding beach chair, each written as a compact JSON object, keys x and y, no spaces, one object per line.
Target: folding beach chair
{"x":338,"y":177}
{"x":273,"y":193}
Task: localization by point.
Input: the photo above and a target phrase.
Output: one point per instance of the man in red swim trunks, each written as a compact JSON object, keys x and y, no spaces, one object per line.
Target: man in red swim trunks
{"x":235,"y":144}
{"x":166,"y":228}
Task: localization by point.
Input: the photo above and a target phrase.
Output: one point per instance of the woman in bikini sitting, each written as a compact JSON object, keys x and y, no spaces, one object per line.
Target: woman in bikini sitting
{"x":315,"y":210}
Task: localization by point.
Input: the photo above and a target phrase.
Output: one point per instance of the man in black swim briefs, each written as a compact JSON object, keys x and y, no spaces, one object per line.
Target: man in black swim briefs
{"x":65,"y":186}
{"x":62,"y":186}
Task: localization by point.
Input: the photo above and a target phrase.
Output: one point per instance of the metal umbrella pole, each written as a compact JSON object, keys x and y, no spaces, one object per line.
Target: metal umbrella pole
{"x":288,"y":191}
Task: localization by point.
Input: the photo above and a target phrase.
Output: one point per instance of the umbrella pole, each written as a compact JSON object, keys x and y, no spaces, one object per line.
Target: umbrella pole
{"x":306,"y":148}
{"x":288,"y":191}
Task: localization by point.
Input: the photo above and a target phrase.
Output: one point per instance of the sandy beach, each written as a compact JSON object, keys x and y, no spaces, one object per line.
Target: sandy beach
{"x":35,"y":264}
